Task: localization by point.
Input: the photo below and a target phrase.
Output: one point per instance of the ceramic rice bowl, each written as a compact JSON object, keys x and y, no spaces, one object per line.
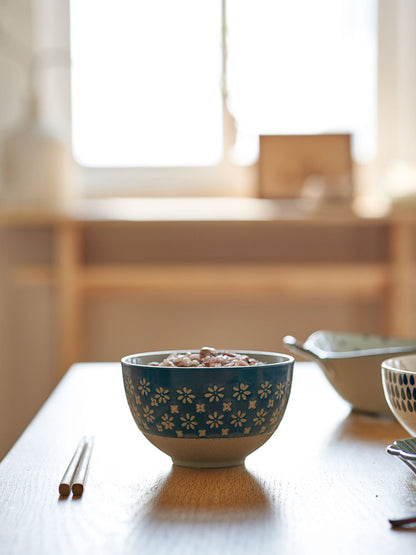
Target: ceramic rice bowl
{"x":207,"y":417}
{"x":399,"y":384}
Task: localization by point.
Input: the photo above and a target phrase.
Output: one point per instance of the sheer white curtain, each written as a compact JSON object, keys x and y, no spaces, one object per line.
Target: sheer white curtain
{"x":146,"y":82}
{"x":303,"y":67}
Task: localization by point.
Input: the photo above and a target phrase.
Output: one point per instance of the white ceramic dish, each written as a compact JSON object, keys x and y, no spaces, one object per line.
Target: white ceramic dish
{"x":399,"y":384}
{"x":351,"y":362}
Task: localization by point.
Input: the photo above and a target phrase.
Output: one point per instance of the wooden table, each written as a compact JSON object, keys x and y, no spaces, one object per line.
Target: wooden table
{"x":322,"y":484}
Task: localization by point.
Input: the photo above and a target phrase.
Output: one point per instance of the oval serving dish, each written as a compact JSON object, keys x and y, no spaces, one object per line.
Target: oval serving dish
{"x":351,"y":362}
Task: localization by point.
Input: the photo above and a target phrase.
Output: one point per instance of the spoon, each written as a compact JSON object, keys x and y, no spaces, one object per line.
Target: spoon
{"x":405,"y":450}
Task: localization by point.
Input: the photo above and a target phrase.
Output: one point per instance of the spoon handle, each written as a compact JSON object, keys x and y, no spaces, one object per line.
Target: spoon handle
{"x":396,"y":522}
{"x":299,"y":348}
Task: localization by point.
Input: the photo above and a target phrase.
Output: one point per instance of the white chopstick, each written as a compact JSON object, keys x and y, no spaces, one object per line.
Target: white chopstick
{"x":76,"y":472}
{"x":81,"y":472}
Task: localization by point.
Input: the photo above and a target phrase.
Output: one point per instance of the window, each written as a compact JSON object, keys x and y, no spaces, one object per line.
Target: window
{"x":291,"y":67}
{"x":146,"y":77}
{"x":146,"y":82}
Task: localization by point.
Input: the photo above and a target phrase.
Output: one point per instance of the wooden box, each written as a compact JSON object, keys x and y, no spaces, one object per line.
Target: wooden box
{"x":286,"y":161}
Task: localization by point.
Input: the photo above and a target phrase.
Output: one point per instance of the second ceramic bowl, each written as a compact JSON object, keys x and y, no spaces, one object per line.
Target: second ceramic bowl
{"x":399,"y":384}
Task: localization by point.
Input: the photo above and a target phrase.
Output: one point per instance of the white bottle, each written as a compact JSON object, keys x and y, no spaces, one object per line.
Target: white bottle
{"x":36,"y":165}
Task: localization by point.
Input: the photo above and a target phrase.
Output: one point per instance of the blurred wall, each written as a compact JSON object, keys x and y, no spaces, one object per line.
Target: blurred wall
{"x":15,"y":54}
{"x":16,"y":43}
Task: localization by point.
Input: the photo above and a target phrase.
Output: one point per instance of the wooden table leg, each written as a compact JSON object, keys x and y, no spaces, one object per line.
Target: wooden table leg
{"x":400,"y":320}
{"x":68,"y":295}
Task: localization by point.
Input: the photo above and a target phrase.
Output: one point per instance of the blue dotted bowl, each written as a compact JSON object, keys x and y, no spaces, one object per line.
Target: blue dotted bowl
{"x":399,"y":385}
{"x":207,"y":417}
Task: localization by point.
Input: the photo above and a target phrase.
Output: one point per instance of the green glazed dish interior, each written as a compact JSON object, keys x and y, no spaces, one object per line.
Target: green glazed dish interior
{"x":327,"y":344}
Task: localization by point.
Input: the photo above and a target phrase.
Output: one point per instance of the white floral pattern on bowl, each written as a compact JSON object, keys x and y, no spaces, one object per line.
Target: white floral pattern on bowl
{"x":211,"y":411}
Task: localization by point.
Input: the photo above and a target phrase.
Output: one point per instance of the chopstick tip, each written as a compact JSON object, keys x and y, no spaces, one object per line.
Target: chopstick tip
{"x":64,"y":489}
{"x":77,"y":490}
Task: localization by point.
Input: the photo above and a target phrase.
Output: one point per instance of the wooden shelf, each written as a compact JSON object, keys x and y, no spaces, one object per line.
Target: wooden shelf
{"x":364,"y":282}
{"x":387,"y":279}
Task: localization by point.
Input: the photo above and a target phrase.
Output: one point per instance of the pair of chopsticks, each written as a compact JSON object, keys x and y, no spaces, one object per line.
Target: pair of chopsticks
{"x":76,"y":474}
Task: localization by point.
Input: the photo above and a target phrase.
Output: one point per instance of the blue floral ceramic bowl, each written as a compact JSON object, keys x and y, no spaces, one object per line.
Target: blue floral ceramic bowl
{"x":207,"y":417}
{"x":399,"y":384}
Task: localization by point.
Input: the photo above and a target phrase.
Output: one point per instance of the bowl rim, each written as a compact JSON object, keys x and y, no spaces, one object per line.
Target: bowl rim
{"x":289,"y":359}
{"x":387,"y":364}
